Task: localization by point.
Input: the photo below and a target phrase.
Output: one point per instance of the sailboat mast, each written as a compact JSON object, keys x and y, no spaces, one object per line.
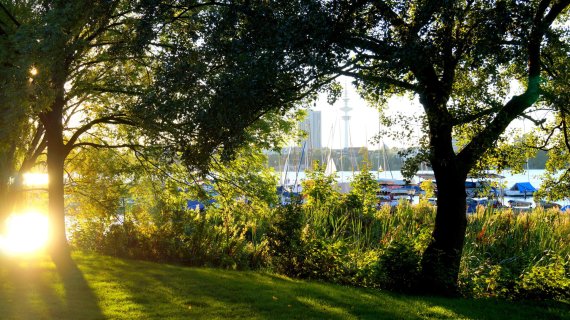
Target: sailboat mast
{"x":386,"y":166}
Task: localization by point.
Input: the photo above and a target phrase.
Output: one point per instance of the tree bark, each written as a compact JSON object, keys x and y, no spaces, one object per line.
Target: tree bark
{"x":441,"y":260}
{"x":52,"y":121}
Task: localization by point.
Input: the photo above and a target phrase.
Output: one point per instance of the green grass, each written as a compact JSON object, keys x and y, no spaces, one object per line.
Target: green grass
{"x":102,"y":287}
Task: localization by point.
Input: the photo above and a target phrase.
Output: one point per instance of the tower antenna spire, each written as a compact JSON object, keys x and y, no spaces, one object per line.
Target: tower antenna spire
{"x":346,"y":117}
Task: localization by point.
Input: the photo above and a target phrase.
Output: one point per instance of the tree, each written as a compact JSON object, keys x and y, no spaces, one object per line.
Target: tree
{"x":70,"y":47}
{"x":254,"y":62}
{"x":365,"y":189}
{"x":319,"y":188}
{"x":16,"y":102}
{"x":98,"y":64}
{"x":458,"y":58}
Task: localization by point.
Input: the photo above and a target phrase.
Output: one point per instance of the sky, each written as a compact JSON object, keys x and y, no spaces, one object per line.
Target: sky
{"x":364,"y":122}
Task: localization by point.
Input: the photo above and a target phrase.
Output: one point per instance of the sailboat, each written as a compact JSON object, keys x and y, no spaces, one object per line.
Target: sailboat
{"x":330,"y":168}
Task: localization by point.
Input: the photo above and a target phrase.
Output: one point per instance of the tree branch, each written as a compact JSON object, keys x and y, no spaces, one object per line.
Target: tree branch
{"x":112,"y":119}
{"x":533,"y":120}
{"x":565,"y":130}
{"x":389,"y":14}
{"x":9,"y":15}
{"x":474,"y":116}
{"x":517,"y":104}
{"x":116,"y":90}
{"x":106,"y":146}
{"x":398,"y":83}
{"x":546,"y":141}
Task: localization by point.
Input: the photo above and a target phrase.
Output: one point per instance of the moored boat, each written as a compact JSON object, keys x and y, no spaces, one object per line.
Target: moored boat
{"x":520,"y":189}
{"x":520,"y":205}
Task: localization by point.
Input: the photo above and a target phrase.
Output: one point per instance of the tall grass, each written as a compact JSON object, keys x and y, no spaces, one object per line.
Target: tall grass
{"x":507,"y":237}
{"x":505,"y":250}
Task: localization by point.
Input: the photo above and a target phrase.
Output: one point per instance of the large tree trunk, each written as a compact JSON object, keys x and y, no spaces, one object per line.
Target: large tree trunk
{"x":56,"y":154}
{"x":441,"y":260}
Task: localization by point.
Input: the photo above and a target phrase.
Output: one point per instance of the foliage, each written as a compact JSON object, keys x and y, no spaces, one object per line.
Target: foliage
{"x":550,"y":281}
{"x":20,"y":95}
{"x":507,"y":255}
{"x":552,"y":135}
{"x":459,"y":59}
{"x":399,"y":267}
{"x":364,"y":190}
{"x":503,"y":248}
{"x":319,"y":188}
{"x":79,"y":76}
{"x":257,"y":55}
{"x":135,"y":217}
{"x":429,"y":188}
{"x":177,"y":65}
{"x":284,"y":240}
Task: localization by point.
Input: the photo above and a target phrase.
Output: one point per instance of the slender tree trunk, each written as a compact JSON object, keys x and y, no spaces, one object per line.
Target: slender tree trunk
{"x":56,"y":154}
{"x":7,"y":198}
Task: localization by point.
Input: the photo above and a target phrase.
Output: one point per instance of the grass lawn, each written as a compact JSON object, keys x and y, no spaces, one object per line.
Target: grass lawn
{"x":108,"y":288}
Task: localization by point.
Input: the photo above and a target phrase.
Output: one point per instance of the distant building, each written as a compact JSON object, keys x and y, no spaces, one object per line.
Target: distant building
{"x":312,"y":126}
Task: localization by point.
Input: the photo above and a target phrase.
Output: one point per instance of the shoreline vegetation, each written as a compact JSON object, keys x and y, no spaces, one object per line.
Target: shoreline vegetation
{"x":507,"y":255}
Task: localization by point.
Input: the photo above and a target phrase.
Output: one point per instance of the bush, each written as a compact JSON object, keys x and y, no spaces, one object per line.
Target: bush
{"x":516,"y":255}
{"x":399,"y":267}
{"x":506,"y":255}
{"x":488,"y":280}
{"x":284,"y":240}
{"x":189,"y":237}
{"x":551,"y":281}
{"x":324,"y":261}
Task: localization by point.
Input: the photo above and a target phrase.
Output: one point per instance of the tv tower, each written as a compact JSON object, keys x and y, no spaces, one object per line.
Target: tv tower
{"x":346,"y":109}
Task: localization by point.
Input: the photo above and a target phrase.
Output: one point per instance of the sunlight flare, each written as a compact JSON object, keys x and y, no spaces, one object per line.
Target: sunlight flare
{"x":25,"y":233}
{"x":35,"y":179}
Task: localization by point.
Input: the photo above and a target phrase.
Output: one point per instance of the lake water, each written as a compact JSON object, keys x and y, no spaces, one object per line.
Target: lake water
{"x":533,"y":176}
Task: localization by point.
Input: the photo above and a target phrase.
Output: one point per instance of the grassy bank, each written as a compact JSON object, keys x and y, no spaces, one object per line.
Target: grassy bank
{"x":108,"y":288}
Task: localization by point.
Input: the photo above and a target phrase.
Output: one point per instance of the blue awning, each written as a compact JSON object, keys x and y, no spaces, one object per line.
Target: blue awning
{"x":524,"y":187}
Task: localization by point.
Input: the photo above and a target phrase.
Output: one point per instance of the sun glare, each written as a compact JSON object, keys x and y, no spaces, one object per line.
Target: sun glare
{"x":35,"y":179}
{"x":25,"y":233}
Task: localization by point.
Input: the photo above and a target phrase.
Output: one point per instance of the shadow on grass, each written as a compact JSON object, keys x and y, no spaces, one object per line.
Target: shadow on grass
{"x":81,"y":302}
{"x":36,"y":288}
{"x":166,"y":291}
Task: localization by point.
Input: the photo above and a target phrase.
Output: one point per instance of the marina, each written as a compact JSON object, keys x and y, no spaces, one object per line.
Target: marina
{"x":505,"y":180}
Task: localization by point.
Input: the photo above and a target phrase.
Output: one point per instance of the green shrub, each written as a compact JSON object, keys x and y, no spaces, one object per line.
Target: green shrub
{"x":550,"y":281}
{"x":399,"y":267}
{"x":488,"y":280}
{"x":284,"y":239}
{"x":365,"y":270}
{"x":364,"y":189}
{"x":324,"y":261}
